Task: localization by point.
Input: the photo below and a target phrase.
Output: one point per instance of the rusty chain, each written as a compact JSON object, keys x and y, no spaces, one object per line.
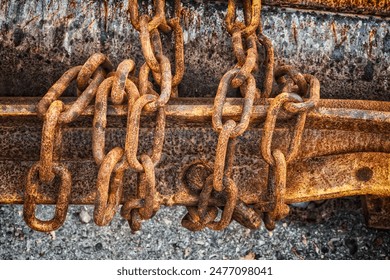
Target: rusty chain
{"x":54,"y":116}
{"x":159,"y":64}
{"x":109,"y":193}
{"x":276,"y":159}
{"x":151,"y":40}
{"x":240,"y":76}
{"x":97,"y":82}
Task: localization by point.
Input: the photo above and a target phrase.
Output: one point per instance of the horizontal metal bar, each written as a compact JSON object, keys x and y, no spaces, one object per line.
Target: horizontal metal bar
{"x":199,"y":108}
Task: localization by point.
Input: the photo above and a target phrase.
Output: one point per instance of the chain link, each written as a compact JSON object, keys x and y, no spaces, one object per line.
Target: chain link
{"x":90,"y":67}
{"x":269,"y":127}
{"x":277,"y":189}
{"x":158,"y":21}
{"x":151,"y":42}
{"x":51,"y":139}
{"x":55,"y":115}
{"x":118,"y":85}
{"x":31,"y":195}
{"x":268,"y":64}
{"x":254,"y":19}
{"x":108,"y":196}
{"x":277,"y":160}
{"x":240,"y":76}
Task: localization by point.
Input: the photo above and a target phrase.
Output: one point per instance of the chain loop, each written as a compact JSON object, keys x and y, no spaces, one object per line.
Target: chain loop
{"x":143,"y":81}
{"x":314,"y":97}
{"x":269,"y":65}
{"x":192,"y":221}
{"x":51,"y":139}
{"x":146,"y":45}
{"x":238,"y":48}
{"x":277,"y":188}
{"x":231,"y":192}
{"x":89,"y":67}
{"x":76,"y":108}
{"x":100,"y":120}
{"x":197,"y":218}
{"x":220,"y":156}
{"x":62,"y":84}
{"x":119,"y":83}
{"x":108,"y":194}
{"x":269,"y":127}
{"x":132,"y":135}
{"x":297,"y":78}
{"x":56,"y":90}
{"x":158,"y":21}
{"x":220,"y":98}
{"x":100,"y":116}
{"x":249,"y":64}
{"x":147,"y":187}
{"x":251,"y":27}
{"x":130,"y":212}
{"x":130,"y":205}
{"x":246,"y":216}
{"x":166,"y":85}
{"x":31,"y":195}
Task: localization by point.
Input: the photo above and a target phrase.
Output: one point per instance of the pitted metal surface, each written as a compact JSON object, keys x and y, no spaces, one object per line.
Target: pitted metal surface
{"x":194,"y":143}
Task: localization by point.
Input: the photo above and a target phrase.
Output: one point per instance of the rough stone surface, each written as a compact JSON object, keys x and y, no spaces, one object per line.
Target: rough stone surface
{"x":84,"y":216}
{"x":333,"y":230}
{"x":40,"y":40}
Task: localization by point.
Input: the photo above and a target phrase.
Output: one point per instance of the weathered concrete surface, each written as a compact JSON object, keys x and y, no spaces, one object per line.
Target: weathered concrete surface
{"x":39,"y":40}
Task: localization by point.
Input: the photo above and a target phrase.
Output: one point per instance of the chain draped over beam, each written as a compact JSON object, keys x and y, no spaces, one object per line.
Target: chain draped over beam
{"x":354,"y":165}
{"x":290,"y":131}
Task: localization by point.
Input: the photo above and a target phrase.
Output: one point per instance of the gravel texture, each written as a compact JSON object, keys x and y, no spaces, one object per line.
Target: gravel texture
{"x":334,"y":229}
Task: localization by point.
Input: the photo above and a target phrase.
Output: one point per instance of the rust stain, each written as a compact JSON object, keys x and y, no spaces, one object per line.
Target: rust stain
{"x":334,"y":31}
{"x":371,"y":40}
{"x":339,"y":37}
{"x":105,"y":3}
{"x":73,"y":4}
{"x":295,"y":33}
